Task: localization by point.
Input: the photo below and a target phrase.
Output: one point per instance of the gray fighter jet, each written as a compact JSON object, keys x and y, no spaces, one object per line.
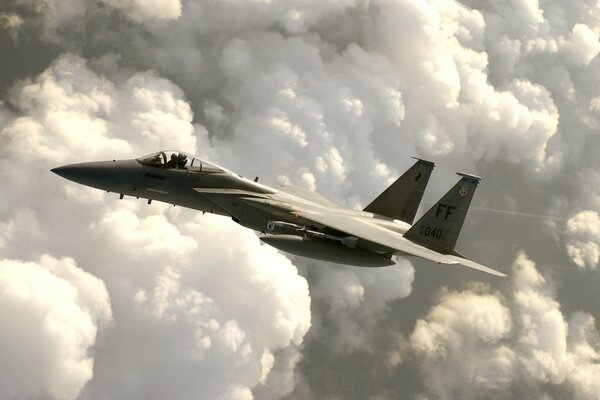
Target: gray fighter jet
{"x":294,"y":219}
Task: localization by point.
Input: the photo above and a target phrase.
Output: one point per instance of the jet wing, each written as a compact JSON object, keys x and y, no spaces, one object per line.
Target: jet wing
{"x":394,"y":241}
{"x":471,"y":264}
{"x":308,"y":195}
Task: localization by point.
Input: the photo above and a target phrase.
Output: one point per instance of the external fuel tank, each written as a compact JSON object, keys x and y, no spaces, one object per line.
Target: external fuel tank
{"x":327,"y":250}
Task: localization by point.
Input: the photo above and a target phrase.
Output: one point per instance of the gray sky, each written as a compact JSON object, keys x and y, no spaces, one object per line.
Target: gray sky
{"x":109,"y":299}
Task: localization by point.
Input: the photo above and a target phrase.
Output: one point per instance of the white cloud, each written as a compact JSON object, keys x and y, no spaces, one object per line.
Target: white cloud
{"x":141,"y":10}
{"x":356,"y":298}
{"x":333,"y":96}
{"x":227,"y":315}
{"x":465,"y":329}
{"x":583,"y":342}
{"x":478,"y":344}
{"x":583,"y":45}
{"x":583,"y":235}
{"x":197,"y":300}
{"x":50,"y":312}
{"x":541,"y":328}
{"x":69,"y":113}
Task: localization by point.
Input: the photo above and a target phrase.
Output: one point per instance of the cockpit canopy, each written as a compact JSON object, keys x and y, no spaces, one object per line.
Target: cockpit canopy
{"x":170,"y":159}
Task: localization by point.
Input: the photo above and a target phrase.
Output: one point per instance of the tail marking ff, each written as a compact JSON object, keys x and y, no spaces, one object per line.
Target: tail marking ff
{"x":439,"y":228}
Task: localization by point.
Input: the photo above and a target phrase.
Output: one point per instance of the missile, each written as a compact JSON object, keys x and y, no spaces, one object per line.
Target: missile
{"x":287,"y":228}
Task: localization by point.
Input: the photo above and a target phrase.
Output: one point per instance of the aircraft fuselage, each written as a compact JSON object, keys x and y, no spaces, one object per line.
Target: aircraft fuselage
{"x":249,"y":203}
{"x":297,"y":220}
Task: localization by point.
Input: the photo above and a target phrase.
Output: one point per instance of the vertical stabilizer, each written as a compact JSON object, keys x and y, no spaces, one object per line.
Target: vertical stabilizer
{"x":402,"y":198}
{"x":439,"y":228}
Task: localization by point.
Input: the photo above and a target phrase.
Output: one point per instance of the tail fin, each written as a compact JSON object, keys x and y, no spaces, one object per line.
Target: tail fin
{"x":402,"y":198}
{"x":439,"y":228}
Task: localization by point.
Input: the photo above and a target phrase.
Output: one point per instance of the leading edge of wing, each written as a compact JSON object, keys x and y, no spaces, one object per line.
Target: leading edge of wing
{"x":472,"y":264}
{"x":384,"y":237}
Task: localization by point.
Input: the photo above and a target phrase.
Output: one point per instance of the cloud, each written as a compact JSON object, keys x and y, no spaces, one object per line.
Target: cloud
{"x":312,"y":91}
{"x":50,"y":311}
{"x":196,"y":300}
{"x":300,"y":107}
{"x":583,"y":45}
{"x":583,"y":342}
{"x":465,"y":329}
{"x":12,"y":23}
{"x":53,"y":14}
{"x":334,"y":96}
{"x":71,"y":113}
{"x":583,"y":232}
{"x":476,"y":343}
{"x":140,"y":10}
{"x":541,"y":326}
{"x":58,"y":17}
{"x":312,"y":94}
{"x":222,"y":316}
{"x":354,"y":300}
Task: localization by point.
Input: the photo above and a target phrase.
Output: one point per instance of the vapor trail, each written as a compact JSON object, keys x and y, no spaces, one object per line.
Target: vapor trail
{"x":515,"y":213}
{"x":564,"y":267}
{"x":520,"y":214}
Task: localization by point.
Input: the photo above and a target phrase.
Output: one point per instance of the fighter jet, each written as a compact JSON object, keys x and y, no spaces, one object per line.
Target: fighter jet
{"x":297,"y":220}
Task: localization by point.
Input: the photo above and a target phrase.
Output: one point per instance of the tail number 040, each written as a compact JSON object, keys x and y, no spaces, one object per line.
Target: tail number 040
{"x":432,"y":232}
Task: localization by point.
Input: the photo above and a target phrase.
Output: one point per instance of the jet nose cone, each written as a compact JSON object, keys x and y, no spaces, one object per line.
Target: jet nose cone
{"x":95,"y":174}
{"x":76,"y":172}
{"x":62,"y":171}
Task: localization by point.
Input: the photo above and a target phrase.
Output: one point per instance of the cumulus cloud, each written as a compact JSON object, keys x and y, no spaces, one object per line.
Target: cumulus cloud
{"x":456,"y":332}
{"x":356,"y":299}
{"x":71,"y":113}
{"x":583,"y":342}
{"x":317,"y":98}
{"x":12,"y":23}
{"x":218,"y":315}
{"x":477,"y":343}
{"x":206,"y":316}
{"x":583,"y":231}
{"x":334,"y":96}
{"x":140,"y":10}
{"x":302,"y":88}
{"x":53,"y":14}
{"x":50,"y":311}
{"x":59,"y":16}
{"x":303,"y":114}
{"x":583,"y":44}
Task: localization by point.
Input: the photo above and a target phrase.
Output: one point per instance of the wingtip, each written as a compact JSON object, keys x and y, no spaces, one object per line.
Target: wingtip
{"x":422,"y":161}
{"x":483,"y":268}
{"x":472,"y":264}
{"x":469,"y":176}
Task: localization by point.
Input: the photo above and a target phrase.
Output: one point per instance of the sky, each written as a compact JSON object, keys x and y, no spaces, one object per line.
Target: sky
{"x":102,"y":298}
